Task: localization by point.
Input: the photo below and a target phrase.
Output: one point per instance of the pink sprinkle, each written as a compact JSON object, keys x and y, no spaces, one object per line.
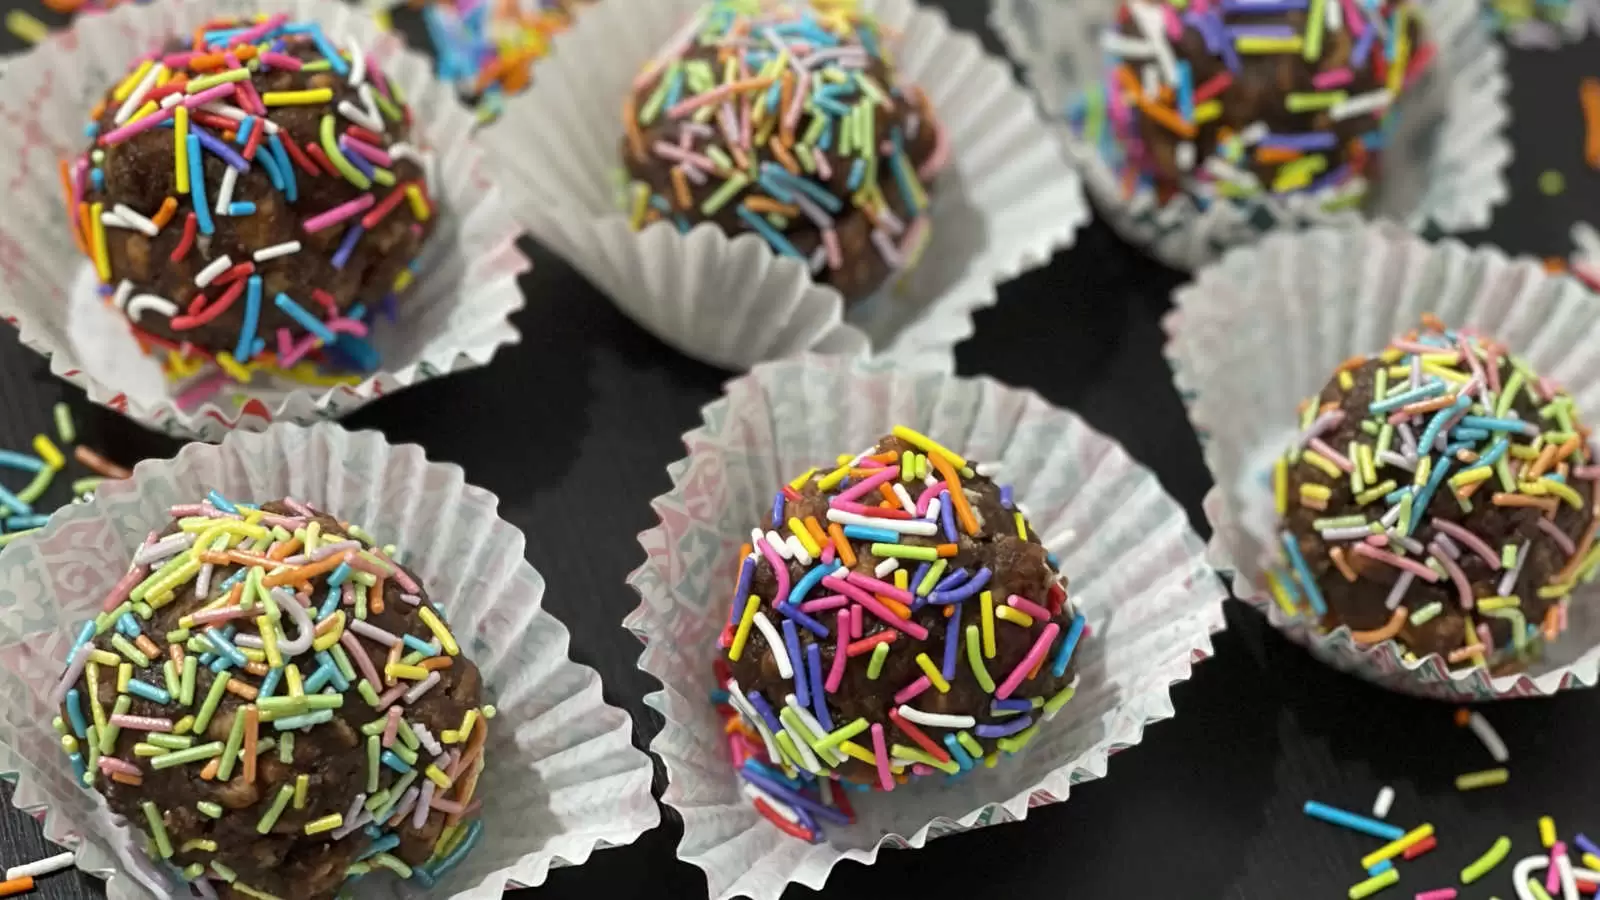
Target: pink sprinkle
{"x":138,"y":126}
{"x":1440,"y":894}
{"x":836,"y":674}
{"x":388,"y":698}
{"x":1174,"y":27}
{"x":857,"y":620}
{"x":779,"y":569}
{"x":338,"y":213}
{"x":1353,"y":18}
{"x":881,"y":587}
{"x":280,"y":61}
{"x":399,"y":574}
{"x":449,"y":807}
{"x":1487,"y":637}
{"x":1472,"y":541}
{"x":823,"y":604}
{"x":830,"y":243}
{"x":1463,"y":589}
{"x":1399,"y":562}
{"x":209,"y":94}
{"x":141,"y":723}
{"x":110,"y":764}
{"x":1557,"y":535}
{"x":913,"y":690}
{"x":880,"y":754}
{"x":221,"y":614}
{"x":391,"y":728}
{"x":119,"y":591}
{"x":251,"y":35}
{"x":177,"y":61}
{"x":1023,"y":604}
{"x":873,"y":606}
{"x":1333,"y":456}
{"x":871,"y":482}
{"x":828,"y":552}
{"x":926,"y":497}
{"x":202,"y":390}
{"x":823,"y":167}
{"x":1034,"y":657}
{"x":1325,"y":81}
{"x":1552,"y":881}
{"x":373,"y":154}
{"x":359,"y":654}
{"x":298,"y":350}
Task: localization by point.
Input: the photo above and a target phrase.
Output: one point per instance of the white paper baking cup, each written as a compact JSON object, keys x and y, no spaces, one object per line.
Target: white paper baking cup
{"x":1007,"y":202}
{"x":563,"y":776}
{"x":1137,"y":573}
{"x":1266,"y":327}
{"x":455,"y":316}
{"x":1443,"y":169}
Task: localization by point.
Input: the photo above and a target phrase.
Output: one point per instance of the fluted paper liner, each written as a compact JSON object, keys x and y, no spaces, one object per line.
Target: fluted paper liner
{"x":1444,"y":169}
{"x":563,"y":777}
{"x":1005,"y":204}
{"x":454,"y":317}
{"x":1267,"y":326}
{"x":1137,"y":573}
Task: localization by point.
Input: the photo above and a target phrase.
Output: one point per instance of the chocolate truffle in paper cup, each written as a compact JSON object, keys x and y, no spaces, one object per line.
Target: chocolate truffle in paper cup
{"x":967,"y":653}
{"x":857,"y":216}
{"x":1200,"y":126}
{"x":273,"y":213}
{"x":1142,"y":609}
{"x":269,"y":701}
{"x":749,"y":179}
{"x":254,"y":748}
{"x":1438,"y":496}
{"x":1426,"y":520}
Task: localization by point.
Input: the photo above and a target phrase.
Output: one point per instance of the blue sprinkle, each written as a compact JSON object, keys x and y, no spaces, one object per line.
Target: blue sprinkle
{"x":80,"y":725}
{"x":1302,"y":571}
{"x":22,"y":461}
{"x":777,"y":510}
{"x":958,"y":752}
{"x":868,"y":533}
{"x":148,"y":691}
{"x":222,"y":503}
{"x":394,"y":762}
{"x":252,"y":319}
{"x":306,"y":320}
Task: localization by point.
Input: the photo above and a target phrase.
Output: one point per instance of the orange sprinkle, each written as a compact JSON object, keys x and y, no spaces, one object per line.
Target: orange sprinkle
{"x":847,"y":555}
{"x":1165,"y":116}
{"x":765,"y":205}
{"x":888,"y":494}
{"x":680,"y":189}
{"x":258,"y":669}
{"x":1462,"y":654}
{"x":1463,"y":716}
{"x":953,"y":481}
{"x":814,"y":528}
{"x":1274,"y":155}
{"x":1382,"y":634}
{"x":148,"y":646}
{"x":303,"y":574}
{"x":239,"y":688}
{"x":66,"y":194}
{"x":895,"y":606}
{"x":252,"y":723}
{"x":175,"y":651}
{"x":375,"y":596}
{"x":1337,"y":554}
{"x":630,"y":126}
{"x":437,"y":662}
{"x":785,"y":158}
{"x":1354,"y":362}
{"x":1433,"y":322}
{"x":1552,"y":623}
{"x":1548,"y":504}
{"x":1589,"y":97}
{"x":164,"y":215}
{"x":744,"y":550}
{"x":947,"y":549}
{"x":85,"y":227}
{"x":210,"y":770}
{"x":125,"y":778}
{"x":886,"y":457}
{"x":392,"y":660}
{"x":285,"y":549}
{"x":1542,"y":464}
{"x":1584,"y":543}
{"x":1423,"y":406}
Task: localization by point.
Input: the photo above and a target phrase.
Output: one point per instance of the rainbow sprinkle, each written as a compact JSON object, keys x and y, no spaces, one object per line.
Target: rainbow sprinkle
{"x":1179,"y":110}
{"x":277,"y":617}
{"x":891,"y":583}
{"x":488,"y":47}
{"x":1455,"y":428}
{"x":267,"y":115}
{"x":781,"y":119}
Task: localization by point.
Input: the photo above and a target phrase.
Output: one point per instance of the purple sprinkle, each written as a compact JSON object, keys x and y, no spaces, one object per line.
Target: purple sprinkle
{"x":819,"y":696}
{"x":950,"y":643}
{"x":947,"y":516}
{"x":777,"y":510}
{"x":347,"y":246}
{"x":953,"y":580}
{"x":797,"y":662}
{"x":220,"y":148}
{"x":812,"y":625}
{"x":1006,"y":729}
{"x":1014,"y":704}
{"x":1312,"y":140}
{"x":741,"y":594}
{"x":764,"y":710}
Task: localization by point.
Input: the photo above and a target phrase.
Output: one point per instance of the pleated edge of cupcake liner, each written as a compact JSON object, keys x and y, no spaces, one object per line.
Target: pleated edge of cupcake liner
{"x":1380,"y":663}
{"x":531,"y":869}
{"x":1055,"y":788}
{"x":304,"y":404}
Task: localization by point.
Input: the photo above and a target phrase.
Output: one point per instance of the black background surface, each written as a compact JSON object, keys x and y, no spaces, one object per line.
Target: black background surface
{"x":588,"y":410}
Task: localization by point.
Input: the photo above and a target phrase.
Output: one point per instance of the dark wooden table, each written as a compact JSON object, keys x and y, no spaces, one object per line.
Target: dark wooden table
{"x":587,"y":412}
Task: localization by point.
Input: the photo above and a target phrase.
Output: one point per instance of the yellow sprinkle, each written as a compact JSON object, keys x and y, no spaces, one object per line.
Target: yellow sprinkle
{"x":1591,"y":862}
{"x":132,"y":81}
{"x":1321,"y":462}
{"x":1486,"y":778}
{"x":446,"y":639}
{"x":437,"y":776}
{"x":742,"y":635}
{"x":986,"y":603}
{"x":1565,"y":492}
{"x":102,"y":257}
{"x":326,"y":823}
{"x":47,"y":451}
{"x":230,"y":365}
{"x":927,"y":444}
{"x":1317,"y":491}
{"x":1022,"y":526}
{"x":1471,"y":476}
{"x":798,"y":528}
{"x":857,"y":752}
{"x":297,"y":98}
{"x":302,"y":786}
{"x":1547,"y":831}
{"x":798,"y":482}
{"x":1280,"y":485}
{"x":410,"y":673}
{"x":1376,"y":492}
{"x":1014,"y":616}
{"x":291,"y":678}
{"x":932,"y":671}
{"x":1280,"y":594}
{"x":419,"y":206}
{"x":1395,"y":848}
{"x":1265,"y":45}
{"x":902,"y":579}
{"x":1346,"y":381}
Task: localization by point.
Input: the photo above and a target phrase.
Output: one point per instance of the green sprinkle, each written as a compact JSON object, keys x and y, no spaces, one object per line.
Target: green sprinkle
{"x":736,"y":182}
{"x":219,"y":686}
{"x":374,"y":750}
{"x":223,"y":871}
{"x":209,"y":809}
{"x":1552,"y":182}
{"x":36,"y":487}
{"x":170,"y":741}
{"x":1018,"y":741}
{"x":932,"y":578}
{"x":185,"y":691}
{"x":64,"y":427}
{"x":286,"y":748}
{"x":378,"y":801}
{"x":368,"y":693}
{"x":235,"y":740}
{"x":875,"y":665}
{"x":158,"y":829}
{"x":270,"y":817}
{"x":192,"y":754}
{"x":1425,"y":614}
{"x":108,"y":734}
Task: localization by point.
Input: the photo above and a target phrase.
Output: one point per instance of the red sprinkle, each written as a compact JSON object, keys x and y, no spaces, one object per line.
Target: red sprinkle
{"x":384,"y":207}
{"x":790,"y":828}
{"x":356,"y":131}
{"x":299,"y":157}
{"x":212,"y":311}
{"x":866,"y":644}
{"x":326,"y":299}
{"x":243,"y":269}
{"x":187,"y":241}
{"x":322,"y":160}
{"x":917,"y":737}
{"x":1420,"y":847}
{"x":251,"y":145}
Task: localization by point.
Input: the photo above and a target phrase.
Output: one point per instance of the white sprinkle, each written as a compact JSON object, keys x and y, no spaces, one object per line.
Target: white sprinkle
{"x":209,"y":274}
{"x":171,"y":100}
{"x":737,"y":698}
{"x":1380,"y":807}
{"x":987,"y":469}
{"x":1490,"y":738}
{"x":815,"y":727}
{"x":933,"y":510}
{"x":935,"y":720}
{"x":136,"y":99}
{"x":904,"y":526}
{"x":358,"y":64}
{"x":144,"y":302}
{"x":756,"y":537}
{"x":1569,"y":886}
{"x":886,"y":567}
{"x":798,"y":550}
{"x":776,"y":805}
{"x":124,"y":291}
{"x":1126,"y":47}
{"x":1254,"y":133}
{"x":906,"y":502}
{"x":1523,"y":870}
{"x":139,"y":222}
{"x":1360,"y":105}
{"x":1186,"y":156}
{"x":42,"y":867}
{"x":776,"y":543}
{"x":230,"y":177}
{"x":1335,"y":17}
{"x":277,"y":250}
{"x":111,"y":219}
{"x":780,"y":654}
{"x":422,"y":687}
{"x":1150,"y":21}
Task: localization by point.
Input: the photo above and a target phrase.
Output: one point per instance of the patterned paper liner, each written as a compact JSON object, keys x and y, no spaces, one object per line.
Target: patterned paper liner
{"x":456,"y":316}
{"x":1443,"y":169}
{"x":1137,"y":570}
{"x":1263,"y":329}
{"x":563,"y":778}
{"x":1005,"y":205}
